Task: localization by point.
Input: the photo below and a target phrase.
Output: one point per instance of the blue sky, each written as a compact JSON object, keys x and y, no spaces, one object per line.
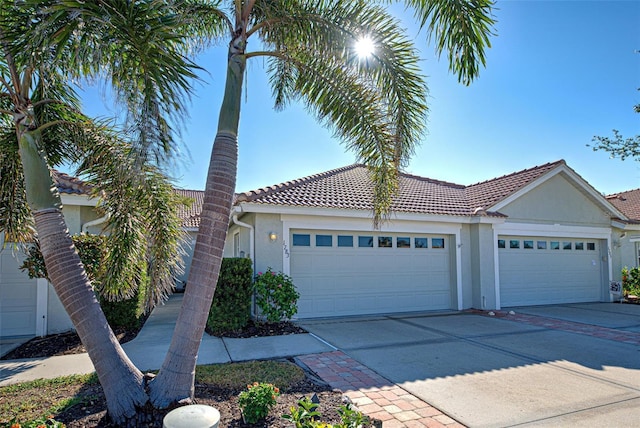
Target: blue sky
{"x":559,"y":72}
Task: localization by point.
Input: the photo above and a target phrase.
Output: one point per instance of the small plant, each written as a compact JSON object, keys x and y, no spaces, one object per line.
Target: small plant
{"x":43,"y":422}
{"x":306,"y":416}
{"x":276,"y":296}
{"x":631,"y":281}
{"x":257,"y":400}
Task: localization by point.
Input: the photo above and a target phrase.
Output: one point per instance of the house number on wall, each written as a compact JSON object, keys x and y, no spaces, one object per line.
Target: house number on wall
{"x":285,"y":249}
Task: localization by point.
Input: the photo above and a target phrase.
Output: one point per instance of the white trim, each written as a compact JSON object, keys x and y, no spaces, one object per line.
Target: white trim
{"x":528,"y":229}
{"x":286,"y":251}
{"x":42,"y":303}
{"x":625,"y":226}
{"x":81,"y":200}
{"x":459,"y":267}
{"x":496,"y":270}
{"x":286,"y":210}
{"x":579,"y":181}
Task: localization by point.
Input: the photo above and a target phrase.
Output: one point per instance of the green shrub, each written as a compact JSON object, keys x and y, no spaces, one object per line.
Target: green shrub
{"x":276,"y":296}
{"x":257,"y":400}
{"x":231,"y":306}
{"x":631,"y":281}
{"x":306,"y":415}
{"x":92,"y":250}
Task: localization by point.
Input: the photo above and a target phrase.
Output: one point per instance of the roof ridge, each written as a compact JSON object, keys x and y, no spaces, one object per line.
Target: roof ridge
{"x":548,"y":164}
{"x":264,"y":191}
{"x":617,"y":194}
{"x":432,"y":180}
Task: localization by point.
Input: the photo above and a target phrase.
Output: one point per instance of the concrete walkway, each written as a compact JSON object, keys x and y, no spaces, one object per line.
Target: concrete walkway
{"x":148,"y":349}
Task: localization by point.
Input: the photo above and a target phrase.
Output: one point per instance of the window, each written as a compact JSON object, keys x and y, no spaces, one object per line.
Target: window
{"x":437,"y":242}
{"x":579,"y":245}
{"x":324,"y":241}
{"x":301,"y":240}
{"x":403,"y":242}
{"x":420,"y":242}
{"x":385,"y":242}
{"x":527,"y":245}
{"x":365,"y":241}
{"x":555,"y":245}
{"x":501,"y":243}
{"x":542,"y":245}
{"x":591,"y":246}
{"x":514,"y":243}
{"x":345,"y":241}
{"x":566,"y":245}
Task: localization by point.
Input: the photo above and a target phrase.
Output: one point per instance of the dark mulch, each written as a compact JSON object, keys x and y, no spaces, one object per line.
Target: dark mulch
{"x":256,"y":329}
{"x":92,"y":413}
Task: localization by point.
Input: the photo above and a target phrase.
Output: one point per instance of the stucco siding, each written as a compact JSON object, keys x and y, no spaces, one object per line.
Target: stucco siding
{"x":58,"y":320}
{"x":556,"y":201}
{"x":268,"y":253}
{"x":482,"y":262}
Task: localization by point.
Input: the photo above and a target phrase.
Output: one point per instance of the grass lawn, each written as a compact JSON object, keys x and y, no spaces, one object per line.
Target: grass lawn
{"x":78,"y":401}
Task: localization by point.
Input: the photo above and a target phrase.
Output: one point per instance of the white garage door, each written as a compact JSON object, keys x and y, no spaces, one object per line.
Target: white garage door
{"x":18,"y":296}
{"x":541,"y":271}
{"x":353,"y":273}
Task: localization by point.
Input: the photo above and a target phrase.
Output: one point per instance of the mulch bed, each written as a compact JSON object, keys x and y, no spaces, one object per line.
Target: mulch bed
{"x":92,"y":413}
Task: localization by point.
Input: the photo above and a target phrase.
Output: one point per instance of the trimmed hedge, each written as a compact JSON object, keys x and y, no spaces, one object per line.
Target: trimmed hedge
{"x":231,"y":307}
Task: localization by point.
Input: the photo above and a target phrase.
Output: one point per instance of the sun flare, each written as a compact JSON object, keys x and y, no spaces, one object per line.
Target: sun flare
{"x":365,"y":47}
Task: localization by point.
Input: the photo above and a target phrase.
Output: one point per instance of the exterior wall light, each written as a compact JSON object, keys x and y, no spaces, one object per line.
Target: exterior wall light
{"x":273,"y":236}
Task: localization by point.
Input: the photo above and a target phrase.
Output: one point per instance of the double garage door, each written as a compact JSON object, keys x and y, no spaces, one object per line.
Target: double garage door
{"x":17,"y":297}
{"x":549,"y":270}
{"x":341,"y":273}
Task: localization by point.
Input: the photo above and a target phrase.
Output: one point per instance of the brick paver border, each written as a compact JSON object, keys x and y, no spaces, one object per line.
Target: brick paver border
{"x":374,"y":395}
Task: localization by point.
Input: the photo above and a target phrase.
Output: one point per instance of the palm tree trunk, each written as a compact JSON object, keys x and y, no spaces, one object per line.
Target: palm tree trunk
{"x":121,"y":381}
{"x":175,"y":381}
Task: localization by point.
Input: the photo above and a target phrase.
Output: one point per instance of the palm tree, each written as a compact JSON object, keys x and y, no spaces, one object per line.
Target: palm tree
{"x":42,"y":128}
{"x":377,"y":108}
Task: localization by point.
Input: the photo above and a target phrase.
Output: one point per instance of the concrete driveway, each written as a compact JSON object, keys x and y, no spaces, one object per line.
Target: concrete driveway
{"x":569,"y":365}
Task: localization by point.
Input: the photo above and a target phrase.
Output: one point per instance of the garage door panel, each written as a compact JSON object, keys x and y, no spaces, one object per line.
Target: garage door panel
{"x":546,"y":276}
{"x":18,"y":297}
{"x":335,"y":281}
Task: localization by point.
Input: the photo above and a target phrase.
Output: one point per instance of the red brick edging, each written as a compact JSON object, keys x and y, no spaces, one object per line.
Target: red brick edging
{"x":374,"y":395}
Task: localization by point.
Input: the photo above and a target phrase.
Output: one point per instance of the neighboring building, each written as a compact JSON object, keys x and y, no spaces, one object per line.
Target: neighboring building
{"x":30,"y":307}
{"x":538,"y":236}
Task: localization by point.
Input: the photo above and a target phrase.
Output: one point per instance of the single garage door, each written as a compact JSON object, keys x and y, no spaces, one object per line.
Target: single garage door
{"x":354,"y":273}
{"x":542,"y":271}
{"x":18,"y":296}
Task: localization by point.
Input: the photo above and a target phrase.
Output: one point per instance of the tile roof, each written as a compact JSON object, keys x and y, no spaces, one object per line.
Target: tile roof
{"x":350,"y":188}
{"x":628,"y":203}
{"x":488,"y":193}
{"x":190,"y":214}
{"x":70,"y":185}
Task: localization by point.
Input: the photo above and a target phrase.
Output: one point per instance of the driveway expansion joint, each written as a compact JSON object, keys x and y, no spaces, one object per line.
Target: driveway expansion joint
{"x":374,"y":395}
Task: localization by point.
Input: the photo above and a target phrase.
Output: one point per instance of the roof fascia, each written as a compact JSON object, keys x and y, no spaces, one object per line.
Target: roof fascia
{"x":579,"y":181}
{"x":246,"y":207}
{"x":624,"y":226}
{"x":82,"y":200}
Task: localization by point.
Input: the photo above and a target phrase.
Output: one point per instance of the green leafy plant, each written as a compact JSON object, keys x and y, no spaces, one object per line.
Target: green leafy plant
{"x":276,"y":296}
{"x":257,"y":400}
{"x":631,"y":281}
{"x":231,"y":306}
{"x":306,"y":415}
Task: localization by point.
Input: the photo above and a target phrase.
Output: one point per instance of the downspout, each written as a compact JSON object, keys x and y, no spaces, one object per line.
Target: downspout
{"x":251,"y":250}
{"x":252,"y":244}
{"x":95,"y":222}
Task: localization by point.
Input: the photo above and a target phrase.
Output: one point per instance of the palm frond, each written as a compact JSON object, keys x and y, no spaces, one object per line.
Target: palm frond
{"x":462,"y":28}
{"x":377,"y":108}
